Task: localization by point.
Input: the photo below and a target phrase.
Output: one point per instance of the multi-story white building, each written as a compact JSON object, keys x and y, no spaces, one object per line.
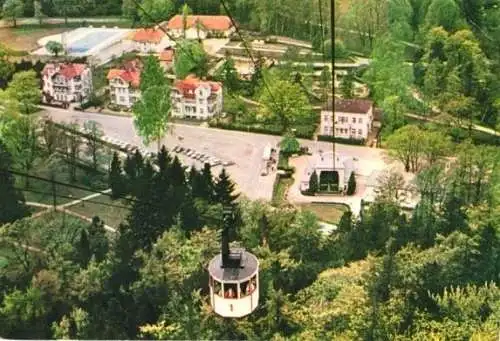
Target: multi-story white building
{"x":353,"y":118}
{"x":149,"y":40}
{"x":200,"y":26}
{"x":124,"y":85}
{"x":194,"y":98}
{"x":66,"y":82}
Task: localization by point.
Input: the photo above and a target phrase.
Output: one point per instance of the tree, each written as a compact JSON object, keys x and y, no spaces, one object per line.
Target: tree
{"x":224,"y":190}
{"x":72,"y":144}
{"x":151,"y":114}
{"x":66,"y":8}
{"x":11,"y":200}
{"x":38,"y":11}
{"x":54,"y":47}
{"x":444,"y":13}
{"x":21,"y":138}
{"x":313,"y":183}
{"x":94,"y":145}
{"x":190,"y":58}
{"x":351,"y":184}
{"x":185,"y":12}
{"x":155,"y":11}
{"x":347,"y":86}
{"x":228,"y":75}
{"x":131,"y":11}
{"x":25,"y":88}
{"x":116,"y":178}
{"x":152,"y":75}
{"x":406,"y":146}
{"x":289,"y":144}
{"x":6,"y":67}
{"x":13,"y":9}
{"x":286,"y":103}
{"x":51,"y":136}
{"x":391,"y":187}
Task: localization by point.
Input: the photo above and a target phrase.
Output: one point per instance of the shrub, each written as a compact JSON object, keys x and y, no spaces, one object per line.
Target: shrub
{"x":305,"y":132}
{"x":313,"y":183}
{"x":329,"y":138}
{"x":351,"y":184}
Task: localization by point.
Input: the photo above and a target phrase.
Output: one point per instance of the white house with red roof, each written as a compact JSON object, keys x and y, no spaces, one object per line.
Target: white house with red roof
{"x":66,"y":82}
{"x":194,"y":98}
{"x":200,"y":26}
{"x":124,"y":84}
{"x":150,"y":40}
{"x":353,"y":118}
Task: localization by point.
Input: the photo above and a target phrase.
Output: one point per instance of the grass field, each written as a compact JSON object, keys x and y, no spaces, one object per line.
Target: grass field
{"x":111,"y":216}
{"x":327,"y":212}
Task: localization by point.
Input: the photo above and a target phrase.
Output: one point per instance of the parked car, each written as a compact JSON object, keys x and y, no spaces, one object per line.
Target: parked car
{"x":187,"y":150}
{"x":228,"y":163}
{"x":181,"y":149}
{"x":176,"y":149}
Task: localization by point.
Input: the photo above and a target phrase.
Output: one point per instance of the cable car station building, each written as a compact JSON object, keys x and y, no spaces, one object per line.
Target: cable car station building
{"x":233,"y":280}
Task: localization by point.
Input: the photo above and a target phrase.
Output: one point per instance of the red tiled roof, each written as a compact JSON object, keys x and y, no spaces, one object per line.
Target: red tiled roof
{"x":355,"y":106}
{"x":130,"y":76}
{"x":167,"y":56}
{"x":148,"y":35}
{"x":69,"y":71}
{"x":189,"y":85}
{"x":211,"y":22}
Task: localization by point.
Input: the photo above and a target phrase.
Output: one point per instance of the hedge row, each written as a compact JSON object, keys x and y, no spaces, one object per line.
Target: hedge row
{"x":305,"y":132}
{"x":328,"y":138}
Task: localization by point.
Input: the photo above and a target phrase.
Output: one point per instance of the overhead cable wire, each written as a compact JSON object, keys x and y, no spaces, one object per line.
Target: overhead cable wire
{"x":73,"y":198}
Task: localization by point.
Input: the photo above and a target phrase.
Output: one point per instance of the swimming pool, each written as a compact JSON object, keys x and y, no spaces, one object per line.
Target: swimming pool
{"x":89,"y":41}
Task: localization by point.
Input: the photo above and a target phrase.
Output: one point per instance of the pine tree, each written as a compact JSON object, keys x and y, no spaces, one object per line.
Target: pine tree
{"x":207,"y":183}
{"x":163,"y":159}
{"x":189,"y":214}
{"x":116,"y":179}
{"x":313,"y":183}
{"x":144,"y":215}
{"x":224,"y":189}
{"x":99,"y":242}
{"x":11,"y":200}
{"x":351,"y":184}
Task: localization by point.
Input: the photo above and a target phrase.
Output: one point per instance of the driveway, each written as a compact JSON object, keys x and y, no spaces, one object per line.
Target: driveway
{"x":245,"y":149}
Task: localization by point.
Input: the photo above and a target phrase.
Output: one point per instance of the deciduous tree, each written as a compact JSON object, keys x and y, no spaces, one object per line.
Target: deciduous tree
{"x":155,"y":11}
{"x":13,"y":9}
{"x":286,"y":103}
{"x":54,"y":47}
{"x":151,"y":114}
{"x":94,"y":145}
{"x":190,"y":58}
{"x":25,"y":88}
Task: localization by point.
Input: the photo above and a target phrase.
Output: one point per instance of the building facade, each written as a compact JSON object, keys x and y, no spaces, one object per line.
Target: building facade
{"x":66,"y":82}
{"x":166,"y":58}
{"x":323,"y":164}
{"x":194,"y":98}
{"x":148,"y":40}
{"x":200,"y":26}
{"x":353,"y":118}
{"x":124,"y":85}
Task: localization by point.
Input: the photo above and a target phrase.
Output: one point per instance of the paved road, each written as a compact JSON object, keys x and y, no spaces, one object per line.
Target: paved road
{"x":245,"y":149}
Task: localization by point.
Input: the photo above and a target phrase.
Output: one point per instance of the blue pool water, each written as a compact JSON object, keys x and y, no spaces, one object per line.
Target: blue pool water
{"x":89,"y":41}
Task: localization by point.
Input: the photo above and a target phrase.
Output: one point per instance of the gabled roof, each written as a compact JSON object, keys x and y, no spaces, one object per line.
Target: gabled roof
{"x":132,"y":76}
{"x":355,"y":106}
{"x":147,"y":35}
{"x":210,"y":22}
{"x":190,"y":84}
{"x":68,"y":71}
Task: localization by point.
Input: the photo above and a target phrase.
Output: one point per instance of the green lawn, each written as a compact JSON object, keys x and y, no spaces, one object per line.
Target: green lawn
{"x":327,"y":212}
{"x":280,"y":189}
{"x":41,"y":191}
{"x":111,"y":216}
